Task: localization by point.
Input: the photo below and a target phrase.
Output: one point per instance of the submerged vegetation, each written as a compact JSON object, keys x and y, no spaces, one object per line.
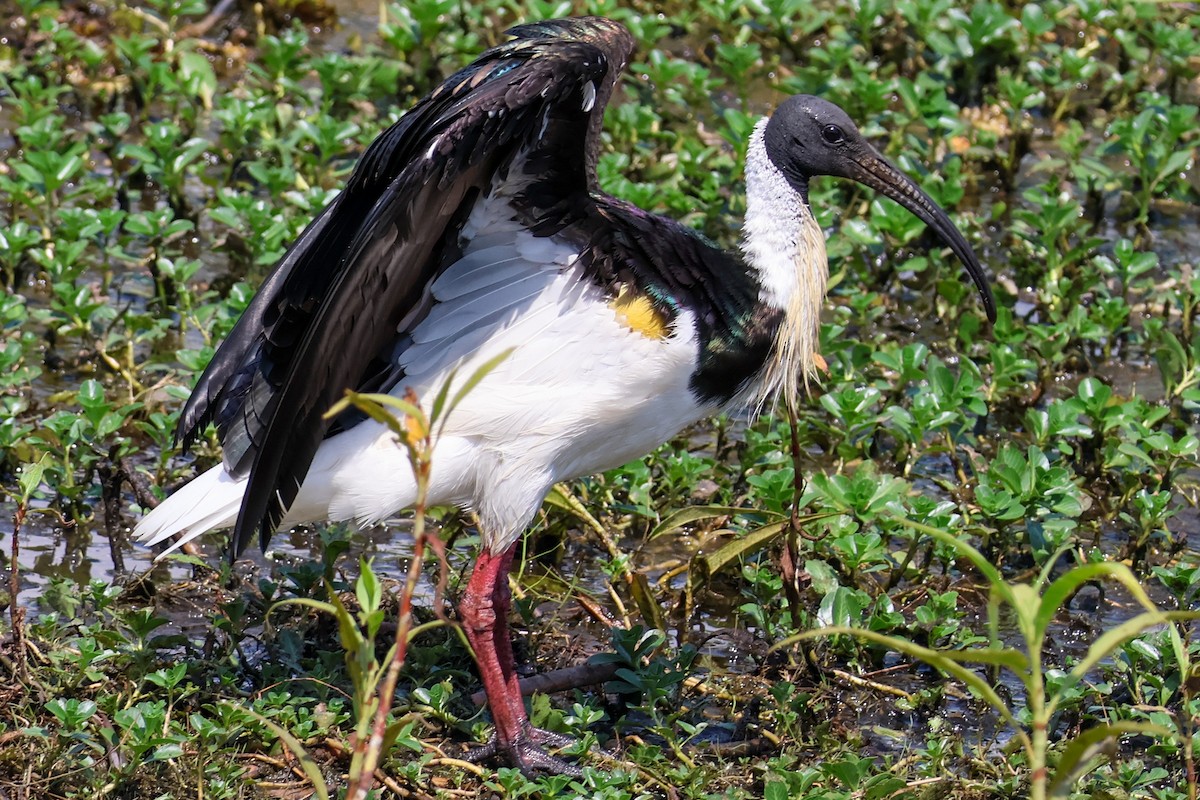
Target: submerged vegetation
{"x":1008,"y":511}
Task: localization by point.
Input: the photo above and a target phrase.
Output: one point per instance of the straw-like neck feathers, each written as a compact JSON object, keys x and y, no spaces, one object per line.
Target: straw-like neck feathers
{"x":785,"y":247}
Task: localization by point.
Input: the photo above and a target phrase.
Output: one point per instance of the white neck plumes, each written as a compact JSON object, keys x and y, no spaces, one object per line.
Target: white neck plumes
{"x":782,"y":242}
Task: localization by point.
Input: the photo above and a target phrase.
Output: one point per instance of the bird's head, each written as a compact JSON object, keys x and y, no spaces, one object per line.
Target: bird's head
{"x":808,"y":136}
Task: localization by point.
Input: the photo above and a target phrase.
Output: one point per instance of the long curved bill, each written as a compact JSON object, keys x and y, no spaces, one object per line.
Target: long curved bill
{"x":878,"y":173}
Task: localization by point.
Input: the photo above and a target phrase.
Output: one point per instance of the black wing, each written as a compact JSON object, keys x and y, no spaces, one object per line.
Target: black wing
{"x":335,"y":300}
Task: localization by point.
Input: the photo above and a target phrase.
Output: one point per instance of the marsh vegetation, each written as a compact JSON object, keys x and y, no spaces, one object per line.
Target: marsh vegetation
{"x":1026,"y":490}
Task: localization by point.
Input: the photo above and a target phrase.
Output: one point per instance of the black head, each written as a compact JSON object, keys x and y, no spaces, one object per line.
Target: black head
{"x":808,"y":136}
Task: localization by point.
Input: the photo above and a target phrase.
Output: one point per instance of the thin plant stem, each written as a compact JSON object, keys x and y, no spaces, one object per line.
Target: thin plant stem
{"x":16,"y":611}
{"x":372,"y":749}
{"x":368,"y":753}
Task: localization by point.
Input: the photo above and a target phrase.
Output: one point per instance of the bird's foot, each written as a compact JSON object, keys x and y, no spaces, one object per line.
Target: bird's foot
{"x":527,"y":752}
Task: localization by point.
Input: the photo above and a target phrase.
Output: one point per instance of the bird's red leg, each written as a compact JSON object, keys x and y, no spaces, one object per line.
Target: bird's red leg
{"x":484,"y":610}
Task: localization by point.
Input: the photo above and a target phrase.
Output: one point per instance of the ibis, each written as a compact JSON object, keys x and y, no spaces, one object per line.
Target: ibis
{"x":475,"y":226}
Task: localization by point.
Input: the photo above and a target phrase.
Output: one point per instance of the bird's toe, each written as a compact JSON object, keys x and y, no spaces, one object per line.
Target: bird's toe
{"x":527,"y":752}
{"x":532,"y":758}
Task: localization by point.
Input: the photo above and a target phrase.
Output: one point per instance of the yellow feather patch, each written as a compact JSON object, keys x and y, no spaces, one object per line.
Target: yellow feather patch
{"x":638,"y":313}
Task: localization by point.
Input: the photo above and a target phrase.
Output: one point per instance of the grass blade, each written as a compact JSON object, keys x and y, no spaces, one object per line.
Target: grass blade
{"x":311,"y":770}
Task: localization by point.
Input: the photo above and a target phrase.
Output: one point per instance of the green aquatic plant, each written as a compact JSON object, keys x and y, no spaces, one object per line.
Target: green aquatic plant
{"x":1034,"y":606}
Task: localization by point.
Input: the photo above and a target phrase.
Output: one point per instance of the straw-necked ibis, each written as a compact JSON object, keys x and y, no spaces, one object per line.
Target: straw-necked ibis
{"x":474,"y":225}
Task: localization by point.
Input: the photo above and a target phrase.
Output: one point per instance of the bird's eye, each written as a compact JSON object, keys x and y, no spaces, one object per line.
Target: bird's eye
{"x":832,"y":134}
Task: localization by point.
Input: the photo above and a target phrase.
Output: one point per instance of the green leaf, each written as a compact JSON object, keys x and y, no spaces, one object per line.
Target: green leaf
{"x":438,"y":405}
{"x":67,"y":168}
{"x":1025,"y":605}
{"x":704,"y":565}
{"x":685,"y":516}
{"x":1111,"y":640}
{"x":473,"y":381}
{"x":31,"y":477}
{"x":401,"y":728}
{"x":991,"y":656}
{"x":842,"y":606}
{"x":196,"y":70}
{"x":91,"y":394}
{"x":292,"y":743}
{"x":28,"y":172}
{"x":1176,"y":162}
{"x":348,"y":630}
{"x":165,"y":752}
{"x":1087,"y":745}
{"x":368,"y":589}
{"x":192,"y":150}
{"x":375,"y":405}
{"x":1067,"y":584}
{"x":776,"y":790}
{"x":110,"y":423}
{"x":647,"y":605}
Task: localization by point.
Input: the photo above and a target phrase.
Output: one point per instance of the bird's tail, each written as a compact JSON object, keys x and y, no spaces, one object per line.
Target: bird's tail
{"x":210,"y":501}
